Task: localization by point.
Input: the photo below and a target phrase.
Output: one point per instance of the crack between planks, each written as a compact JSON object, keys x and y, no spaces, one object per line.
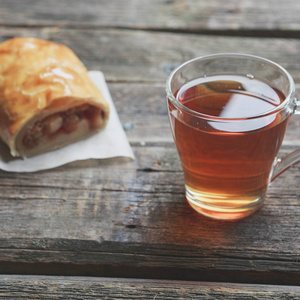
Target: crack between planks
{"x":152,"y":170}
{"x":242,"y":32}
{"x":142,"y":191}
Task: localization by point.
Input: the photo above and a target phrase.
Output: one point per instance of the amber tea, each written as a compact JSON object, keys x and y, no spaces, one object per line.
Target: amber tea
{"x":227,"y":153}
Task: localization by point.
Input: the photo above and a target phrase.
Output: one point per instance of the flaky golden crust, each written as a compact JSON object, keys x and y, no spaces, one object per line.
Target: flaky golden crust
{"x":40,"y":77}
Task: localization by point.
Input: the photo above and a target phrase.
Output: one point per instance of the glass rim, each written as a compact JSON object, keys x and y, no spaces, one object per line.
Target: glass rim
{"x":278,"y":108}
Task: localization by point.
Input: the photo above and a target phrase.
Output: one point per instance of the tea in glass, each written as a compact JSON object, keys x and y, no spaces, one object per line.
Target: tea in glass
{"x":228,"y":119}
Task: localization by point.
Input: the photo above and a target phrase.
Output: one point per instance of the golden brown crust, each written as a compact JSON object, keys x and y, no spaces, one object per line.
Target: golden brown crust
{"x":40,"y":77}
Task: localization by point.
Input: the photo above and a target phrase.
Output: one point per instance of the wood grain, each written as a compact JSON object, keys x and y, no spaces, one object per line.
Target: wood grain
{"x":41,"y":287}
{"x":87,"y":218}
{"x":256,"y":18}
{"x":127,"y":218}
{"x":123,"y":218}
{"x":141,"y":56}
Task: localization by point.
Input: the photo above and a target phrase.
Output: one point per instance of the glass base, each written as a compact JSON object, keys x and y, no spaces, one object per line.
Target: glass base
{"x":223,"y":209}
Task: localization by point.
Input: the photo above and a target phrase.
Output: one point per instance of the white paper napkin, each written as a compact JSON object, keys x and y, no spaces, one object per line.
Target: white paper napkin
{"x":108,"y":143}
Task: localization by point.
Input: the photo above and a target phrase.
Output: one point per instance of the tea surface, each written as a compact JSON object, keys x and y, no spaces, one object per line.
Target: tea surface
{"x":229,"y":96}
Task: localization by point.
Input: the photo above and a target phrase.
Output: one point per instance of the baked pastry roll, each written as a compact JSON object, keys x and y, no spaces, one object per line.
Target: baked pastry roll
{"x":47,"y":99}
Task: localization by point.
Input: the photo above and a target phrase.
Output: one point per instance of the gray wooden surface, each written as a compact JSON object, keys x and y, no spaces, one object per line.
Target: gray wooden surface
{"x":122,"y":218}
{"x":90,"y":288}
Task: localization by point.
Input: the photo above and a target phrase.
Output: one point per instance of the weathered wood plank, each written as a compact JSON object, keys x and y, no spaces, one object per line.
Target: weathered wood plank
{"x":144,"y":107}
{"x":89,"y":219}
{"x":41,"y":287}
{"x":256,"y":17}
{"x":140,"y":56}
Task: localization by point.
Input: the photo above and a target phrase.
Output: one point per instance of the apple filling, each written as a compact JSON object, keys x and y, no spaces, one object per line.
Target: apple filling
{"x":60,"y":123}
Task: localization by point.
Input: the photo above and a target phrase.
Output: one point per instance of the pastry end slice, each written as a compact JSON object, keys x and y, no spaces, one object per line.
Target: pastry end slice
{"x":47,"y":100}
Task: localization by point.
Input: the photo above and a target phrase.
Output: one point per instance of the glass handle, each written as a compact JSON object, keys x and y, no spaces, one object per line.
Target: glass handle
{"x":283,"y":164}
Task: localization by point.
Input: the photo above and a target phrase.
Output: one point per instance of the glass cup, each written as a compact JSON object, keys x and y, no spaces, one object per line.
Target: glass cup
{"x":228,"y":115}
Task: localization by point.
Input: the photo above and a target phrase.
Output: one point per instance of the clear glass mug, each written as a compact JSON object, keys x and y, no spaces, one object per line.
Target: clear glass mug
{"x":228,"y":115}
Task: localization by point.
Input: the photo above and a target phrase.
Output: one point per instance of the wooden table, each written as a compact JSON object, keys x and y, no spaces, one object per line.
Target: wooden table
{"x":121,"y":229}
